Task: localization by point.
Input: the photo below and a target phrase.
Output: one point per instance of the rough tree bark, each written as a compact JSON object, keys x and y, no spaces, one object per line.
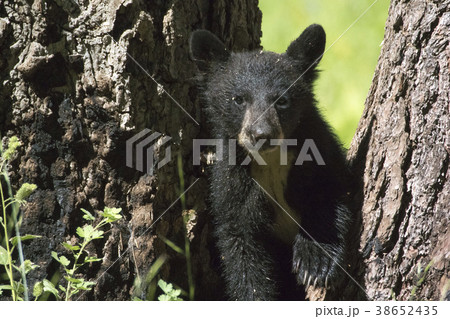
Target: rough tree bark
{"x":72,"y":92}
{"x":400,"y":154}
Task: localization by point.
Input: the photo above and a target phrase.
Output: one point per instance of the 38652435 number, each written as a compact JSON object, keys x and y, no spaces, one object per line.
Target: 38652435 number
{"x":406,"y":310}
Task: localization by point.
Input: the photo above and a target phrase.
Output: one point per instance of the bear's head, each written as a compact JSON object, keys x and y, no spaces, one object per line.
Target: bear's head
{"x":257,"y":95}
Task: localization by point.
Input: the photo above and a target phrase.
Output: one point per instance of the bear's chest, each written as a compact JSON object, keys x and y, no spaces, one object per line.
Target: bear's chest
{"x":272,"y":178}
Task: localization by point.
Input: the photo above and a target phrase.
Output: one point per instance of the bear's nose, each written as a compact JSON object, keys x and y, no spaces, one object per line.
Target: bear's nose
{"x":259,"y":133}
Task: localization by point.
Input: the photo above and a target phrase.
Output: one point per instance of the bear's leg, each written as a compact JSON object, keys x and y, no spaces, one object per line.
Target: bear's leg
{"x":241,"y":216}
{"x":247,"y":267}
{"x":320,"y":262}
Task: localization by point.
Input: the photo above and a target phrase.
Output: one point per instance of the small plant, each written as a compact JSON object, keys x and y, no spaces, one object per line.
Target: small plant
{"x":170,"y":294}
{"x":186,"y":218}
{"x":87,"y":234}
{"x":17,"y":287}
{"x":421,"y":275}
{"x":9,"y":223}
{"x":144,"y":288}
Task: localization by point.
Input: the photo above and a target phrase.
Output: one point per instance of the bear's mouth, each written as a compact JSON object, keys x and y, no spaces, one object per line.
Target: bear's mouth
{"x":268,"y":148}
{"x":264,"y":145}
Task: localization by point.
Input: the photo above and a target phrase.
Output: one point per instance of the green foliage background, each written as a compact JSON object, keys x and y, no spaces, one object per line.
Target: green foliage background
{"x":348,"y":67}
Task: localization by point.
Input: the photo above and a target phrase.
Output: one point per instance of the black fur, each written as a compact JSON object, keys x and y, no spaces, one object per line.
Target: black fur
{"x":246,"y":99}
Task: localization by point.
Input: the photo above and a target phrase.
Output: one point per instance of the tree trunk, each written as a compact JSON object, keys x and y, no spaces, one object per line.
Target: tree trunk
{"x":400,"y":154}
{"x":74,"y":88}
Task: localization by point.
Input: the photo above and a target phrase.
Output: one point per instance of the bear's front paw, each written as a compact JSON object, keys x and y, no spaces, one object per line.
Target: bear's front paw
{"x":318,"y":264}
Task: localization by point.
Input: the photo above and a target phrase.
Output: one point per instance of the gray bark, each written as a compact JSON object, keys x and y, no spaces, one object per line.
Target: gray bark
{"x":400,"y":156}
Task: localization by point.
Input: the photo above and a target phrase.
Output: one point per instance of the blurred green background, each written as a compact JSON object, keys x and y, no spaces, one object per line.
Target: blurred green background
{"x":348,"y":66}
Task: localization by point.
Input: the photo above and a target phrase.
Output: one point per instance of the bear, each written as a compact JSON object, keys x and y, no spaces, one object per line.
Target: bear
{"x":281,"y":221}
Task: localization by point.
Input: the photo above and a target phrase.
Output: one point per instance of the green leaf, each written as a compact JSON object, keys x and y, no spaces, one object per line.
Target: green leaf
{"x":13,"y":144}
{"x":111,"y":214}
{"x":55,"y":256}
{"x":164,"y":286}
{"x":64,"y":261}
{"x":87,"y":215}
{"x":49,"y":287}
{"x":167,"y":288}
{"x":86,"y":285}
{"x":25,"y":190}
{"x":89,"y":233}
{"x":14,"y":240}
{"x":81,"y":232}
{"x":38,"y":289}
{"x":29,"y":266}
{"x":74,"y":280}
{"x":80,"y":284}
{"x":92,"y":259}
{"x":169,"y":298}
{"x":96,"y":234}
{"x":6,"y":287}
{"x":164,"y":298}
{"x":170,"y":294}
{"x":18,"y":287}
{"x":71,"y":247}
{"x":4,"y":257}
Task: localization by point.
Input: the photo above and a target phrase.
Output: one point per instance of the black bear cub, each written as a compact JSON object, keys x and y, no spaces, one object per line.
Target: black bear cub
{"x":277,"y":192}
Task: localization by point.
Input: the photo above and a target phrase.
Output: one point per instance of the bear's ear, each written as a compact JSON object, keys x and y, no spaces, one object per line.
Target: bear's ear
{"x":308,"y":48}
{"x":205,"y":48}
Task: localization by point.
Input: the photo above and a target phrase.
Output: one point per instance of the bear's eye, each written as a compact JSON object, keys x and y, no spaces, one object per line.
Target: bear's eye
{"x":282,"y":102}
{"x":239,"y":100}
